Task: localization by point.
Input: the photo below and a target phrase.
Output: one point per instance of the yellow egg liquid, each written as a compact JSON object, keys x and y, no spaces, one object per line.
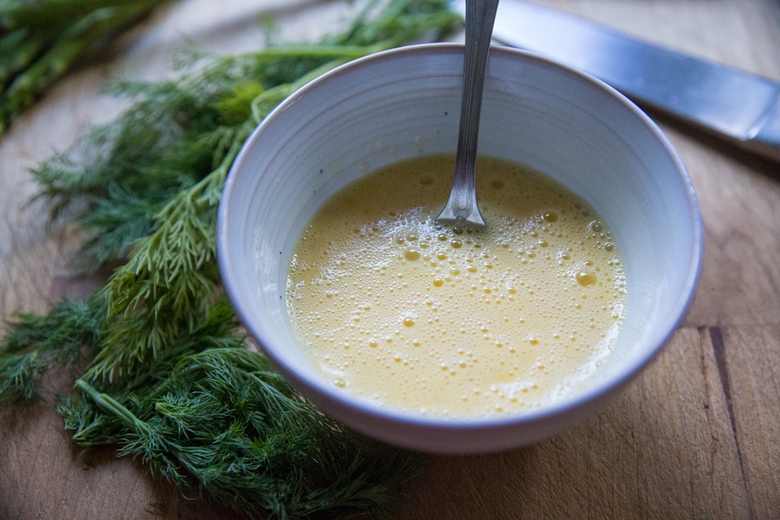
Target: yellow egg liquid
{"x":438,"y":320}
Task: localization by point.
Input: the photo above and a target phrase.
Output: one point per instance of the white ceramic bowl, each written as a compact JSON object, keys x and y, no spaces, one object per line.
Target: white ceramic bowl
{"x":405,"y":102}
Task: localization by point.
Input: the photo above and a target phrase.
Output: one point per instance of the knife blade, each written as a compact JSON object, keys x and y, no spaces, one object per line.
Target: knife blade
{"x":738,"y":106}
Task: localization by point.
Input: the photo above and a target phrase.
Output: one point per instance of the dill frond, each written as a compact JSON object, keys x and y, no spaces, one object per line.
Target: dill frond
{"x":223,"y":425}
{"x":33,"y":344}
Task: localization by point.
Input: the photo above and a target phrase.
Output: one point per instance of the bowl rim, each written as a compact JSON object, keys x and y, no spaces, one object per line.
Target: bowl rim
{"x":595,"y":392}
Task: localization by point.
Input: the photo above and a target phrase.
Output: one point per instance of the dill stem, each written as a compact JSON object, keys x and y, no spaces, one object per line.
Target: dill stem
{"x":315,"y":51}
{"x":36,"y":73}
{"x":18,"y":49}
{"x":110,"y":405}
{"x":43,"y":14}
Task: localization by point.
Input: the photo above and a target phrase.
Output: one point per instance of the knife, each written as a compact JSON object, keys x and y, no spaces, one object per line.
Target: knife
{"x":738,"y":106}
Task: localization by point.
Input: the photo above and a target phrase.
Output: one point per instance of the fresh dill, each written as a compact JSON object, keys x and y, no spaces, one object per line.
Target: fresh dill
{"x":40,"y":41}
{"x":168,"y":375}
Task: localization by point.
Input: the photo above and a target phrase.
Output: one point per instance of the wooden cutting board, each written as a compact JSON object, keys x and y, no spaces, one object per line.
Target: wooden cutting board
{"x":696,"y":436}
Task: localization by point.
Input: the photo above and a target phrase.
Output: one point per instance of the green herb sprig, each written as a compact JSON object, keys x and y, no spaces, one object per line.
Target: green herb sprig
{"x":171,"y":379}
{"x":40,"y":40}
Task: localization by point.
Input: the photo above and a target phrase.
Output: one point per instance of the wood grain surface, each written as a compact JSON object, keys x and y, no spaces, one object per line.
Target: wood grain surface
{"x":697,"y":435}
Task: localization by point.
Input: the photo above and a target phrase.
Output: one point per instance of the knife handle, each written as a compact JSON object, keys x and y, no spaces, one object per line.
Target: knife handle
{"x":765,"y":136}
